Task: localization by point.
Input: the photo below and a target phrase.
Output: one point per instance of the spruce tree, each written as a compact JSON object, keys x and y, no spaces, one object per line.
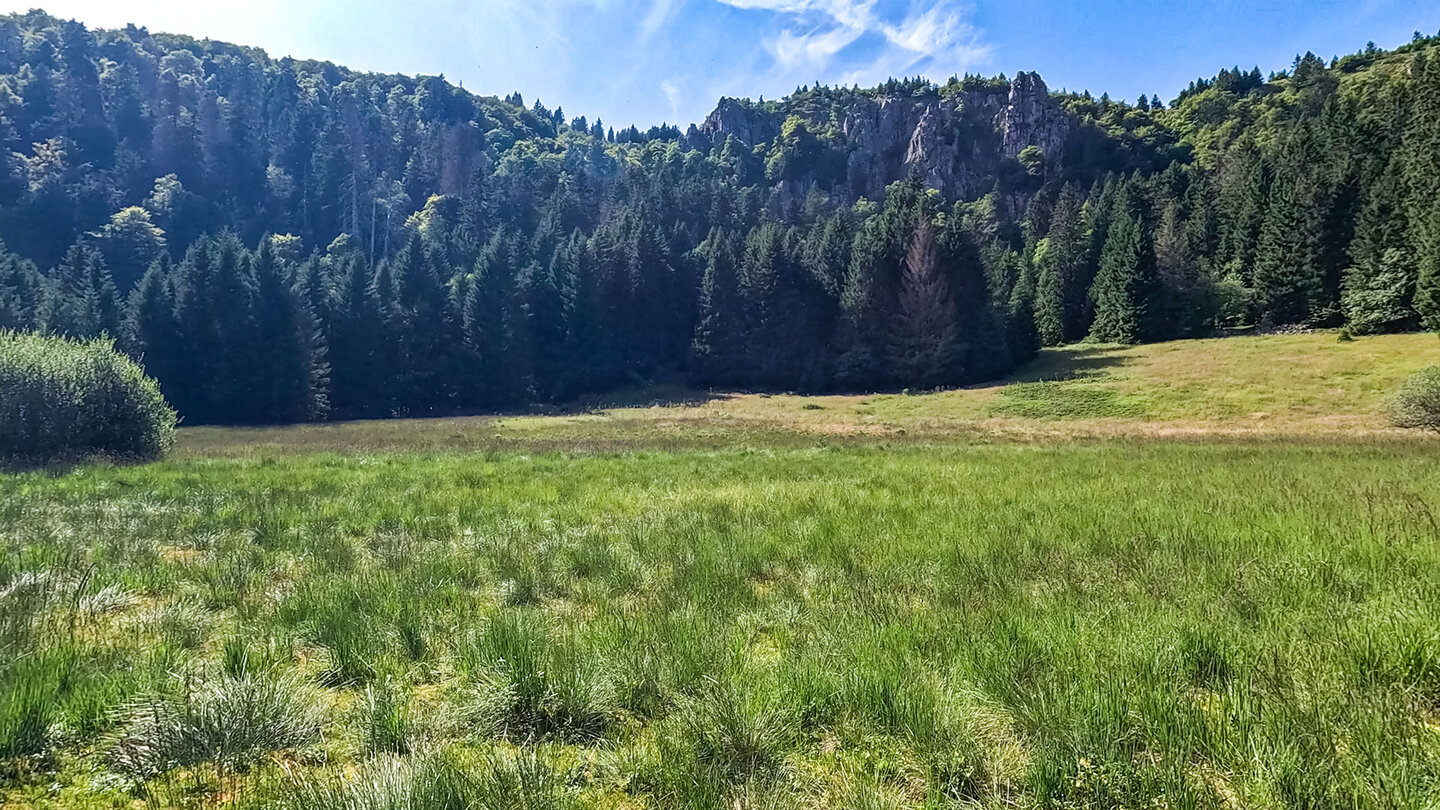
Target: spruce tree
{"x":925,"y":330}
{"x":83,"y":300}
{"x":151,"y":335}
{"x":1123,"y":290}
{"x":1058,"y":261}
{"x":292,"y":379}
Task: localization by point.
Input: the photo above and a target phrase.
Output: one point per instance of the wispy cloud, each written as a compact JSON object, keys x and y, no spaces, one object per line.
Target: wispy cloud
{"x":672,"y":95}
{"x":659,"y":15}
{"x":796,"y":49}
{"x":814,"y":35}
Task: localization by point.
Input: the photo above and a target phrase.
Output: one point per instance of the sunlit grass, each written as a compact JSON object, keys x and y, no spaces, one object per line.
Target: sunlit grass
{"x":1099,"y":624}
{"x":1289,"y":385}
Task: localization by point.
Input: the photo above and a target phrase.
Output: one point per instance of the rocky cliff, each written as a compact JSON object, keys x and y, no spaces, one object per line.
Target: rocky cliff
{"x":955,"y":142}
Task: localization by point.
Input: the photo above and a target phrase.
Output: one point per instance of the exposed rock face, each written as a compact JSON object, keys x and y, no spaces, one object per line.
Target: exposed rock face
{"x":955,"y":144}
{"x":1032,"y":118}
{"x":747,"y":124}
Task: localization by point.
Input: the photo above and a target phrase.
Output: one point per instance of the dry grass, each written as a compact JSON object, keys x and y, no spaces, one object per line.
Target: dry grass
{"x":1283,"y":385}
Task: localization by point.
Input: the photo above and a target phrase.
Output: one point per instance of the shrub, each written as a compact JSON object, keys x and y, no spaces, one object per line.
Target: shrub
{"x":63,"y":399}
{"x":1417,"y":403}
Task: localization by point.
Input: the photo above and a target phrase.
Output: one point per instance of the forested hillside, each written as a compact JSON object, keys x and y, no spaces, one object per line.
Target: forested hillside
{"x":280,"y":240}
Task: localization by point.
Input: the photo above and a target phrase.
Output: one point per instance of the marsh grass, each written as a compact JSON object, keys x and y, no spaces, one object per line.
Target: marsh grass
{"x":231,"y":722}
{"x":912,"y":624}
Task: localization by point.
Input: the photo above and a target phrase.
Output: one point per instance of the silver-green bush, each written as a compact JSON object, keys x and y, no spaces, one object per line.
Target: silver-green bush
{"x":1417,"y":403}
{"x":65,"y":399}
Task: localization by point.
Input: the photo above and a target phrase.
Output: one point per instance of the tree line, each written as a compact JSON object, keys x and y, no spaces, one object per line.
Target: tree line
{"x":284,"y":241}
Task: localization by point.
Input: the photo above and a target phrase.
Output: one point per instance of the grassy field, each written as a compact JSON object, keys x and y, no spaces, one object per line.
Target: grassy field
{"x":900,"y":601}
{"x":1284,"y":385}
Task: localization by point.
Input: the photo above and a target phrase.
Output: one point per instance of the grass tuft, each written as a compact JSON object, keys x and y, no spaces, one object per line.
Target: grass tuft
{"x":231,"y":722}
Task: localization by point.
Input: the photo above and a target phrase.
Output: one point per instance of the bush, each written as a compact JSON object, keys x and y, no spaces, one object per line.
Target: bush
{"x":1417,"y":403}
{"x":65,"y":399}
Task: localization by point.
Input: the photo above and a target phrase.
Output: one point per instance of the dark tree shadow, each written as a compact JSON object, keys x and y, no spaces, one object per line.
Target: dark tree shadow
{"x":1083,"y":363}
{"x":650,"y":397}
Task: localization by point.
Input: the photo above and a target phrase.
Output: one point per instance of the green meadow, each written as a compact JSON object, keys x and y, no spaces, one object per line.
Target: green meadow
{"x":767,"y":615}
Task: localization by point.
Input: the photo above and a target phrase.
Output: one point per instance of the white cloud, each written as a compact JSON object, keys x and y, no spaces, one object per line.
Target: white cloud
{"x":850,"y":13}
{"x":793,"y":49}
{"x":672,"y":95}
{"x":657,"y":17}
{"x":929,"y":33}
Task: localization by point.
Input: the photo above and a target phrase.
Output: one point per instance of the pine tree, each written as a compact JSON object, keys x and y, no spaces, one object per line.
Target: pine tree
{"x":129,"y":242}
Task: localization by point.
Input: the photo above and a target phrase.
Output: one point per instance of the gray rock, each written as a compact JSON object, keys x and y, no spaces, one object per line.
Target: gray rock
{"x":953,"y":144}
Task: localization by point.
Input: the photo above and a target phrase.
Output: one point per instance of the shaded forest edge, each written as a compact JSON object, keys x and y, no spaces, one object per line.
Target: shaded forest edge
{"x":280,"y":241}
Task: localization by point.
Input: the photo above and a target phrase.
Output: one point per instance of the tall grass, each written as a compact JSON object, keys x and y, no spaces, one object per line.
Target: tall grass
{"x":231,"y":722}
{"x":1120,"y":624}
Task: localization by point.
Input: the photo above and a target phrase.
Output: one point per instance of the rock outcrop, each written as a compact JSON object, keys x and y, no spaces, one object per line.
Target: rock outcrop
{"x":747,"y":123}
{"x":954,"y":142}
{"x":1032,"y":118}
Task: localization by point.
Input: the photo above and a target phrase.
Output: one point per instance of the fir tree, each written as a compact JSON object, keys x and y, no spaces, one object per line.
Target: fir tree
{"x":718,"y":350}
{"x":151,"y":332}
{"x":1380,"y":284}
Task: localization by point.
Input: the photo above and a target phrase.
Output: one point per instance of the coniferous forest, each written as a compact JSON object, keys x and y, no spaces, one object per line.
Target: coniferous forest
{"x":283,"y":240}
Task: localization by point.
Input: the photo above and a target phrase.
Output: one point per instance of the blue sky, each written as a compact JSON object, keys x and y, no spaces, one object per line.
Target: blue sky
{"x":647,"y":61}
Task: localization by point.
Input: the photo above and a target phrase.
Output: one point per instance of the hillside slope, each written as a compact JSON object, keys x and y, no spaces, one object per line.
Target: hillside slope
{"x":1274,"y":385}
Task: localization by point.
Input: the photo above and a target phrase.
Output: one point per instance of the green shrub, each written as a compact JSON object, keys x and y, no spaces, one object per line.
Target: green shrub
{"x":1417,"y":403}
{"x":64,"y":399}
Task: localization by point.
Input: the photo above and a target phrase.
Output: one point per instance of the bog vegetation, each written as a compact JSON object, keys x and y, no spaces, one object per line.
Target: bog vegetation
{"x":278,"y":240}
{"x":1123,"y":624}
{"x":64,"y":399}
